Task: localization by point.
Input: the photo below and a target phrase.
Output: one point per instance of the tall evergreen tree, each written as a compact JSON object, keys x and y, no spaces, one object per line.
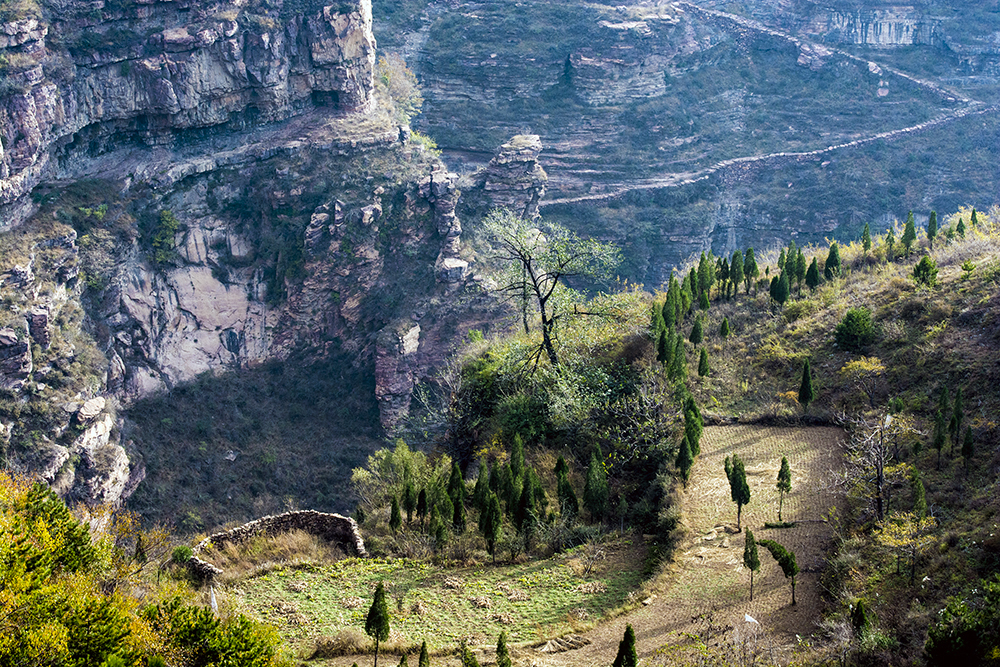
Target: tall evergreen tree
{"x":508,"y":488}
{"x":739,"y":490}
{"x":503,"y":656}
{"x":409,"y":499}
{"x":425,"y":658}
{"x":517,"y":457}
{"x":800,"y":270}
{"x":595,"y":490}
{"x":673,"y":304}
{"x":724,"y":329}
{"x":377,"y":621}
{"x":694,"y":425}
{"x":627,"y":656}
{"x":722,"y":276}
{"x":495,"y":478}
{"x":538,"y":493}
{"x":751,"y":560}
{"x":807,"y":393}
{"x":736,"y":270}
{"x":940,"y":434}
{"x":678,"y":364}
{"x":832,"y":268}
{"x":395,"y":518}
{"x":403,"y":662}
{"x":455,"y":482}
{"x":685,"y":459}
{"x":697,"y":331}
{"x":703,"y":368}
{"x":656,"y":323}
{"x":781,"y":260}
{"x":664,"y":349}
{"x":784,"y":484}
{"x":750,"y":269}
{"x":422,"y":506}
{"x":780,"y":289}
{"x":909,"y":234}
{"x":968,"y":447}
{"x":974,"y":221}
{"x":561,"y":467}
{"x":480,"y":492}
{"x":932,"y":229}
{"x":890,"y":245}
{"x":458,"y":513}
{"x":703,"y":302}
{"x":866,"y":239}
{"x":812,"y":276}
{"x":960,"y":228}
{"x":568,"y":502}
{"x":786,"y":560}
{"x":490,"y":523}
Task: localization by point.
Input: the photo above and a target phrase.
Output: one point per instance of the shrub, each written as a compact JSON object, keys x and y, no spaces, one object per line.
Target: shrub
{"x":856,"y":331}
{"x":925,"y":272}
{"x":182,"y":554}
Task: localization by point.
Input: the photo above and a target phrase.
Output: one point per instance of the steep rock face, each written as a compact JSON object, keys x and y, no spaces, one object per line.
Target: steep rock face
{"x":90,"y":83}
{"x":514,"y":179}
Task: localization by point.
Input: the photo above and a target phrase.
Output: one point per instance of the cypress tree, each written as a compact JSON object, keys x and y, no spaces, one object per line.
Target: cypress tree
{"x":919,"y":495}
{"x":960,"y":228}
{"x":672,"y":306}
{"x":812,"y":276}
{"x":697,"y":332}
{"x":866,"y":238}
{"x":786,"y":560}
{"x":703,"y":368}
{"x":693,"y":287}
{"x":656,"y":322}
{"x":750,"y":269}
{"x":751,"y":560}
{"x":538,"y":493}
{"x":975,"y":220}
{"x":968,"y":447}
{"x":455,"y":482}
{"x":525,"y":505}
{"x":784,"y":484}
{"x":517,"y":457}
{"x":832,"y":267}
{"x":724,"y":329}
{"x":860,"y":619}
{"x":627,"y":656}
{"x":800,"y":269}
{"x":957,"y":414}
{"x":377,"y":622}
{"x":402,"y":661}
{"x":508,"y":488}
{"x":678,"y":364}
{"x":568,"y":502}
{"x":781,"y":260}
{"x":490,"y":523}
{"x":685,"y":459}
{"x":425,"y":658}
{"x":780,"y":289}
{"x":482,"y":488}
{"x":409,"y":499}
{"x":739,"y":490}
{"x":458,"y":513}
{"x":503,"y":657}
{"x":722,"y":276}
{"x":932,"y":229}
{"x":909,"y":234}
{"x":736,"y":270}
{"x":422,"y":506}
{"x":706,"y":275}
{"x":468,"y":657}
{"x":703,"y":302}
{"x":561,"y":467}
{"x":693,"y":425}
{"x":939,"y":435}
{"x":595,"y":490}
{"x":663,"y":352}
{"x":395,"y":518}
{"x":807,"y":393}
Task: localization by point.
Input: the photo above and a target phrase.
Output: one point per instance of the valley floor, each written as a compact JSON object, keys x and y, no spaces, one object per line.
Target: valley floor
{"x":703,"y":598}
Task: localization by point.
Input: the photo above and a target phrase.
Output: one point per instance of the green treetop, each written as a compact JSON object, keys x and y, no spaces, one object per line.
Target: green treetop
{"x":807,"y":393}
{"x":739,"y":490}
{"x":866,"y":238}
{"x":685,"y":460}
{"x":627,"y":656}
{"x":751,"y":560}
{"x":784,"y":484}
{"x":909,"y":234}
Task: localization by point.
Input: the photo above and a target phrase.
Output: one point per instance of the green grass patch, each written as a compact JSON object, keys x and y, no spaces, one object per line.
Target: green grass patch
{"x":440,"y":604}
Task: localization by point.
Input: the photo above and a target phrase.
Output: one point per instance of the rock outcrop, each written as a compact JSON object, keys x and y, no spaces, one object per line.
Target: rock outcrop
{"x":514,"y":179}
{"x":102,"y":76}
{"x":335,"y":528}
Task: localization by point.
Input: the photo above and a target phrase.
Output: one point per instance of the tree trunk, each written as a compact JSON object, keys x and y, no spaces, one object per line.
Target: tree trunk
{"x":781,"y":501}
{"x":751,"y":585}
{"x":376,"y":652}
{"x":547,"y":325}
{"x":793,"y":590}
{"x":739,"y":512}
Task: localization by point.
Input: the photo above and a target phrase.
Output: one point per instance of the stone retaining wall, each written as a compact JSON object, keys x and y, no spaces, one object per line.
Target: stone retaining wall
{"x":331,"y":527}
